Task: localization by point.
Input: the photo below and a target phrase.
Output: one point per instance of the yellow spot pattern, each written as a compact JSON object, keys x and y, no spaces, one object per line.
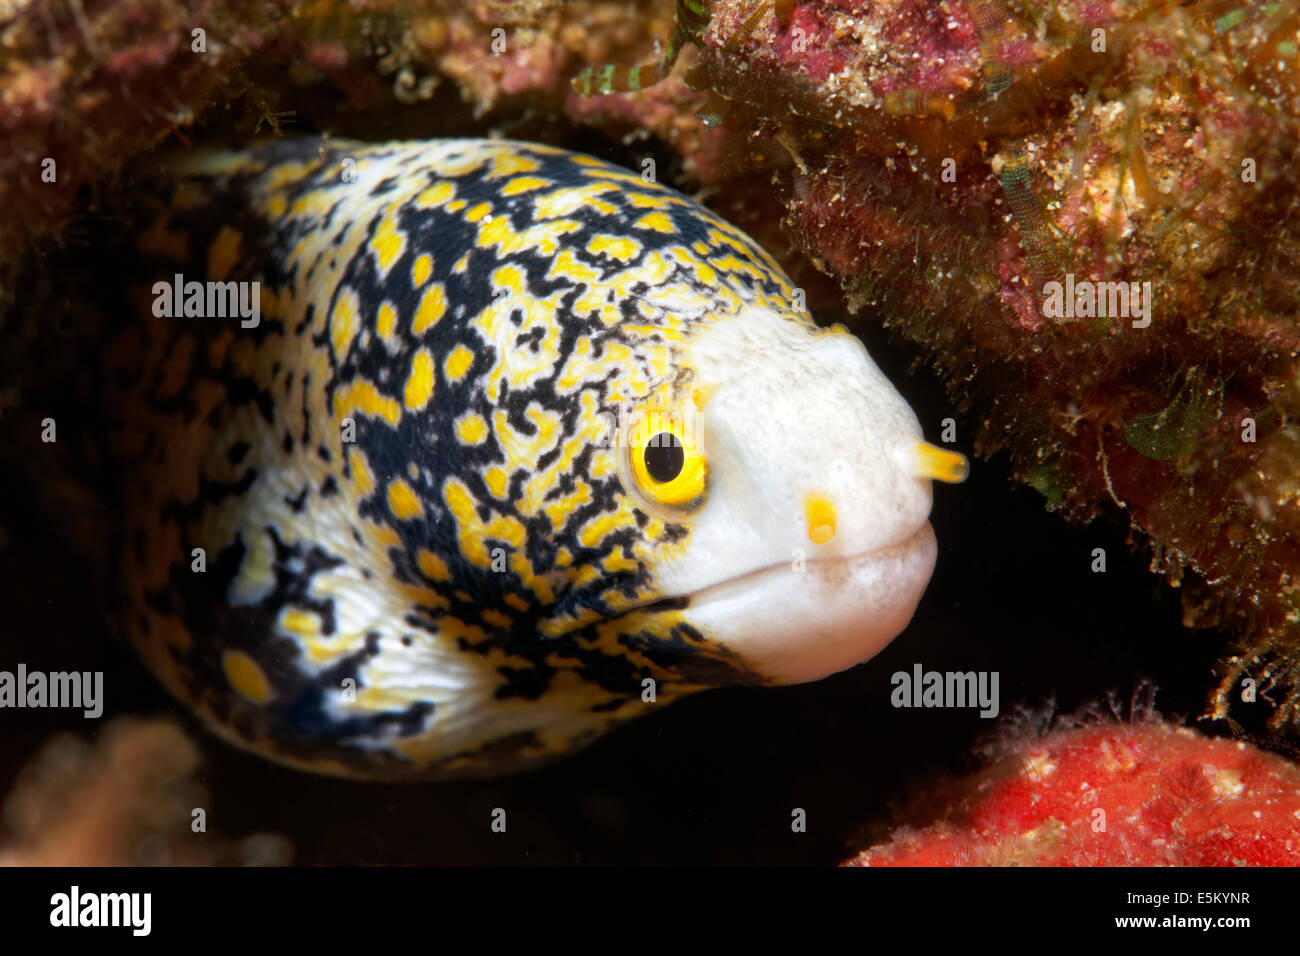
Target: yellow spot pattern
{"x":562,"y":202}
{"x":458,"y":363}
{"x":507,"y":163}
{"x":363,"y":482}
{"x":246,"y":677}
{"x":497,"y":481}
{"x":615,"y":246}
{"x":344,"y":321}
{"x":362,"y":396}
{"x":421,"y":269}
{"x":432,"y":566}
{"x":419,"y":386}
{"x":402,"y":501}
{"x":386,"y":322}
{"x":495,"y":618}
{"x":388,"y":243}
{"x":299,"y":623}
{"x":223,"y":253}
{"x":471,"y":429}
{"x":435,"y":195}
{"x":657,"y":221}
{"x":433,"y":305}
{"x":523,"y":184}
{"x":475,"y":533}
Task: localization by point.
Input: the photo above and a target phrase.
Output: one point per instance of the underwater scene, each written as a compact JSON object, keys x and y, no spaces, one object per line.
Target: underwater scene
{"x":650,"y":432}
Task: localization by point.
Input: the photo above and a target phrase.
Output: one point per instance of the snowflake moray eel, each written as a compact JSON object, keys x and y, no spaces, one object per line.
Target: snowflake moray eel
{"x":521,"y":446}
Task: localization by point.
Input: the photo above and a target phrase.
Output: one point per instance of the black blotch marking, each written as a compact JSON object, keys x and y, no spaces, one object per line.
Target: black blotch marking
{"x":299,"y":501}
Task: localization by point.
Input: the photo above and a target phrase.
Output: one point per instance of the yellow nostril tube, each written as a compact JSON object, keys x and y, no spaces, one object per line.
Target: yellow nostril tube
{"x":940,"y":464}
{"x":820,"y":514}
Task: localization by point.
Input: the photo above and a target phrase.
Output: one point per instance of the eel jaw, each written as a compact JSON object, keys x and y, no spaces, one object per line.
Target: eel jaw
{"x":791,"y":626}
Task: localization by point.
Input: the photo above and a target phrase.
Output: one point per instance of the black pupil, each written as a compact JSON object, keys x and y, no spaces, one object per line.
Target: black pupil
{"x":664,"y":457}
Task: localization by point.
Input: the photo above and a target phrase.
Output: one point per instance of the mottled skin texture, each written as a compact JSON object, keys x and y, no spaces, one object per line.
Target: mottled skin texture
{"x":470,"y":564}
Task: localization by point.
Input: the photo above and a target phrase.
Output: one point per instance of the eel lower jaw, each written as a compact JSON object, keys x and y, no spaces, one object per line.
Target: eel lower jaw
{"x":793,"y":623}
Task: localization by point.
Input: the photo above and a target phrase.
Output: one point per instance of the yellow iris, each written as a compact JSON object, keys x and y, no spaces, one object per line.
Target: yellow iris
{"x":666,"y":462}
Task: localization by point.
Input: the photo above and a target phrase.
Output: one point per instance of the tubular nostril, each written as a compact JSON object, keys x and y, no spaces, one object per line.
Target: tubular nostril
{"x":939,"y":464}
{"x":820,"y":515}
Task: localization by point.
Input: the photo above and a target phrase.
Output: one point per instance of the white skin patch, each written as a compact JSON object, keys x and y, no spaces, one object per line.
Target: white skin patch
{"x":823,"y":421}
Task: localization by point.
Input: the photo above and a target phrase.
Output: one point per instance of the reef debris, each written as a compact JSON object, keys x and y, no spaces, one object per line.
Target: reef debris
{"x":129,"y":799}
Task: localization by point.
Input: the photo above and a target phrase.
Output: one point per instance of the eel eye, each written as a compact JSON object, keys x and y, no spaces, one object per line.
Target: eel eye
{"x":667,"y":466}
{"x":664,"y":457}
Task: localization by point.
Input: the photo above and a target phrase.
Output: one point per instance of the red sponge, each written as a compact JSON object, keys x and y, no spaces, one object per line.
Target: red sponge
{"x":1111,"y":795}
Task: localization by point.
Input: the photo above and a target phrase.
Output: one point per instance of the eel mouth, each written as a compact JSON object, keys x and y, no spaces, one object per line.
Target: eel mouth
{"x":799,"y":622}
{"x":796,"y":622}
{"x":829,"y":568}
